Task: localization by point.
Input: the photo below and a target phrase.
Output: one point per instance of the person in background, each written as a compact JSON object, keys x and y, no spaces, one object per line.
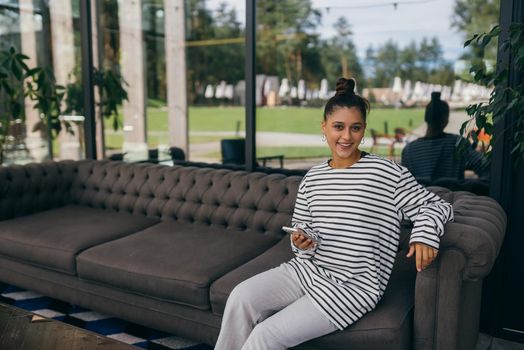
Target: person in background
{"x":347,"y":224}
{"x":434,"y":156}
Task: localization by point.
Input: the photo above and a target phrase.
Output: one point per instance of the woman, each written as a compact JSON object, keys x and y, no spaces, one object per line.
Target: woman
{"x":434,"y":156}
{"x":351,"y":207}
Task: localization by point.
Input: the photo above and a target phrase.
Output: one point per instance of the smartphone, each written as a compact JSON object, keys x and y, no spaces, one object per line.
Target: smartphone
{"x":289,"y":229}
{"x":293,"y":230}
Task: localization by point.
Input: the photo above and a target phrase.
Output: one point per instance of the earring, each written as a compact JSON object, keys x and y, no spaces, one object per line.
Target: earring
{"x":362,"y":142}
{"x":323,"y":137}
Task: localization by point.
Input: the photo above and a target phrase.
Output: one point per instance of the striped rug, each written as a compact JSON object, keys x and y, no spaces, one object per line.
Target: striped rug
{"x":127,"y":332}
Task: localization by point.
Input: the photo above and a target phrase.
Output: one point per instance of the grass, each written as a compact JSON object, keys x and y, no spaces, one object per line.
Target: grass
{"x":301,"y":152}
{"x":283,"y":119}
{"x":280,"y":119}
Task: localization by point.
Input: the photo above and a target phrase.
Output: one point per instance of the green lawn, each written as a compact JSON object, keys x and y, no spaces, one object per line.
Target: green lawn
{"x":300,"y":152}
{"x":282,"y":119}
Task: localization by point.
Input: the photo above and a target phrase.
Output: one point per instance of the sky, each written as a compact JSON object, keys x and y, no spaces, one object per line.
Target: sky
{"x":375,"y":21}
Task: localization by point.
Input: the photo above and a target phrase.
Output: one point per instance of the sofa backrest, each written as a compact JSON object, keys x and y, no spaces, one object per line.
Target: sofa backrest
{"x":231,"y":199}
{"x":26,"y":189}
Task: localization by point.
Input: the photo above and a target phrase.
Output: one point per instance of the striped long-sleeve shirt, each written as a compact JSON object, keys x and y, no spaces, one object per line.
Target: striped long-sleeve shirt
{"x":431,"y":159}
{"x":355,"y":213}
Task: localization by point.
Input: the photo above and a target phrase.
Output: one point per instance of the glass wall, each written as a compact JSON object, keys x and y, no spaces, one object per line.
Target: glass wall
{"x":43,"y":125}
{"x":215,"y":80}
{"x":170,"y":73}
{"x":180,"y":74}
{"x":398,"y":54}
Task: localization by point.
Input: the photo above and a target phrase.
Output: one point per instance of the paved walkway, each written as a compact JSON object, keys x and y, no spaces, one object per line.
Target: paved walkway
{"x":280,"y":139}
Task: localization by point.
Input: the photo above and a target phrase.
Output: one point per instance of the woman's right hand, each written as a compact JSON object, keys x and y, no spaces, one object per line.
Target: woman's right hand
{"x":301,"y":241}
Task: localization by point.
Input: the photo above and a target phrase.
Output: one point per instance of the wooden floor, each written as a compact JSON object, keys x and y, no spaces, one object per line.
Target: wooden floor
{"x":21,"y":330}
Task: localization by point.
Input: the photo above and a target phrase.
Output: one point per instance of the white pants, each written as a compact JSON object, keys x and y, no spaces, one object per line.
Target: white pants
{"x":270,"y":311}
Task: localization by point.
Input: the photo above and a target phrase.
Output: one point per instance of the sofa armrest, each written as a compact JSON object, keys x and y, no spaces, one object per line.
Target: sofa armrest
{"x":448,"y":293}
{"x":30,"y":188}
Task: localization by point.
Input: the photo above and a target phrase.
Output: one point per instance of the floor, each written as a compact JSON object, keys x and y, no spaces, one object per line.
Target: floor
{"x":139,"y":336}
{"x":111,"y":327}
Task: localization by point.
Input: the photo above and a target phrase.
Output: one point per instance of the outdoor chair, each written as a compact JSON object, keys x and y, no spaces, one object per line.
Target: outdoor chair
{"x":387,"y":140}
{"x":233,"y":152}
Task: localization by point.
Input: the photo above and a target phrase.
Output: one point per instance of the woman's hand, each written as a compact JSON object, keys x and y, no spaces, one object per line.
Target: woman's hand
{"x":424,"y":255}
{"x":301,"y":241}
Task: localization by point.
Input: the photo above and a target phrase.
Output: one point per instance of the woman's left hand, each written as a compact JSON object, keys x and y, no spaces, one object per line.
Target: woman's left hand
{"x":424,"y":255}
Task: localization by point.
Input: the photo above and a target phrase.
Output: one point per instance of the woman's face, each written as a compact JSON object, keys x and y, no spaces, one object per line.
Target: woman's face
{"x":344,"y":130}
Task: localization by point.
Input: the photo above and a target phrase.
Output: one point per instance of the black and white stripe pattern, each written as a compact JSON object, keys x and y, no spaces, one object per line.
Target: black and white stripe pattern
{"x":431,"y":159}
{"x":356,"y":213}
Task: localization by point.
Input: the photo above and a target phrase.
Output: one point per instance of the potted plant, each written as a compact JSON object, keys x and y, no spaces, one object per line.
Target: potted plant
{"x":111,"y":95}
{"x":13,"y":74}
{"x":48,"y":98}
{"x":18,"y":81}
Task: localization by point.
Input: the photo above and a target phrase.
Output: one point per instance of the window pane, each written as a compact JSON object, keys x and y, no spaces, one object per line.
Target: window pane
{"x":398,"y":54}
{"x":42,"y":126}
{"x":215,"y":79}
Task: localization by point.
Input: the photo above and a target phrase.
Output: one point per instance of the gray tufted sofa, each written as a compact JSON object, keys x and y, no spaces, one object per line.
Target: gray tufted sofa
{"x":164,"y":246}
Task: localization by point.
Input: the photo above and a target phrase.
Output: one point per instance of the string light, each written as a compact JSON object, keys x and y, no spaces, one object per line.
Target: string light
{"x":384,"y":4}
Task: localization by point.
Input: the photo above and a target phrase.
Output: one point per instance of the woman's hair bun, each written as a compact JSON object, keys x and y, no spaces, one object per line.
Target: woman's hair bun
{"x":435,"y":96}
{"x":345,"y":86}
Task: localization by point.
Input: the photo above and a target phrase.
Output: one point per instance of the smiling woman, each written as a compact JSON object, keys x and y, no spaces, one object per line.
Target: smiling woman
{"x":344,"y":124}
{"x":347,"y":224}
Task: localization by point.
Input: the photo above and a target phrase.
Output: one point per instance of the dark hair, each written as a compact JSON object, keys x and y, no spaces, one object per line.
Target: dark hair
{"x":345,"y":97}
{"x":437,"y":111}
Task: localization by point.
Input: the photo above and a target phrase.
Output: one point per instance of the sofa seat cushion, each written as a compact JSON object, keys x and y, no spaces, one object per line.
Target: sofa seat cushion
{"x":52,"y":239}
{"x":172,"y":261}
{"x":388,"y":326}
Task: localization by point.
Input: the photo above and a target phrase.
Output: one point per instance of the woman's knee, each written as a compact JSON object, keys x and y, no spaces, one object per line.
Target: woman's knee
{"x":242,"y":294}
{"x":264,"y":336}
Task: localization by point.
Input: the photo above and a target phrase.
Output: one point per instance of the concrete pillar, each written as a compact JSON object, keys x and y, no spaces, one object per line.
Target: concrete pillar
{"x":95,"y":30}
{"x":176,"y":74}
{"x":133,"y":71}
{"x":35,"y":142}
{"x":63,"y":45}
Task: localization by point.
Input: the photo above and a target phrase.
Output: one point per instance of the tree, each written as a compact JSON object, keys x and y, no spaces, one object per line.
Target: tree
{"x":476,"y":16}
{"x":387,"y":64}
{"x":423,"y":62}
{"x":209,"y":62}
{"x":284,"y":35}
{"x":339,"y":55}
